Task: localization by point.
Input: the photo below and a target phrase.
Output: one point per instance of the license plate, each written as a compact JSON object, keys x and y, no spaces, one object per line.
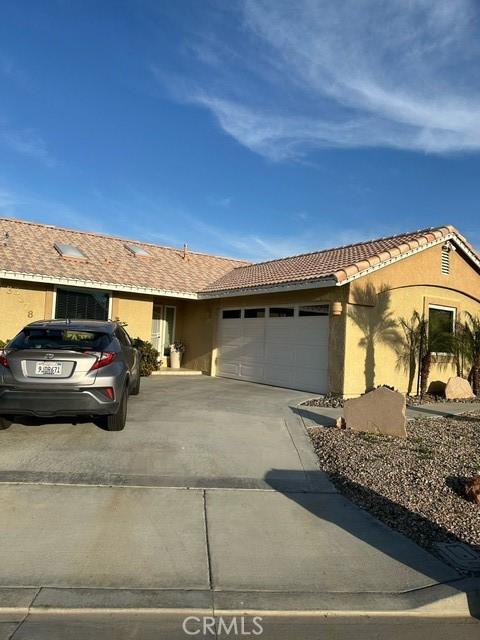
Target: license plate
{"x":48,"y":368}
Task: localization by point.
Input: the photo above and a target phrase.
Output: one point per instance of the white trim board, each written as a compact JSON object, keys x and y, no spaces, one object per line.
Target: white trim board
{"x":93,"y":284}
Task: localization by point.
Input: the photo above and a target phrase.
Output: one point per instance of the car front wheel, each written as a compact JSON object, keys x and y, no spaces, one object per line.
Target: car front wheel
{"x":116,"y":421}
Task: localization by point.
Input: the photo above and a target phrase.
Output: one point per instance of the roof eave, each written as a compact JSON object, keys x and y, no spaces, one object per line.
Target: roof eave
{"x":453,"y":235}
{"x":94,"y":284}
{"x":319,"y":283}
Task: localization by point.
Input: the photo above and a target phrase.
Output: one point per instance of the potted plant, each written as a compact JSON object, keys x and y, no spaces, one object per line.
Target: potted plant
{"x":176,"y":351}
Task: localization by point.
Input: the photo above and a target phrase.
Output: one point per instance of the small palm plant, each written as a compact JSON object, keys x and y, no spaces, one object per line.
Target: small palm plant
{"x":408,"y":351}
{"x":469,"y":347}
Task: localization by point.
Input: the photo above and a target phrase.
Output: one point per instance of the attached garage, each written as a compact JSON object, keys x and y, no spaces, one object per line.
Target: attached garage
{"x":283,"y":345}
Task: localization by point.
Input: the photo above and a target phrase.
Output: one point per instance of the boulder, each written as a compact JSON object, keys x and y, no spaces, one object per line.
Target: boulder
{"x":458,"y":389}
{"x":380,"y":411}
{"x":436,"y":388}
{"x":472,"y":489}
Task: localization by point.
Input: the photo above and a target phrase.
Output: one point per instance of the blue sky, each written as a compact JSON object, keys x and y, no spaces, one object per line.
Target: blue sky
{"x":251,"y":129}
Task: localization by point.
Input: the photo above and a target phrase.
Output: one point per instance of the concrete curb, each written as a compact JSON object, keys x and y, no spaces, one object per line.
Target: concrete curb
{"x":460,"y":599}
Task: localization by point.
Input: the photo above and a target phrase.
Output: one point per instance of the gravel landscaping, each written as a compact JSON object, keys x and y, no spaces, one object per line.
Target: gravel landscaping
{"x":413,"y":401}
{"x":413,"y":485}
{"x":333,"y":401}
{"x":330,"y":400}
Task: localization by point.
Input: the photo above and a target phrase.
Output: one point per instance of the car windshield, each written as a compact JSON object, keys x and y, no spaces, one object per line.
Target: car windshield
{"x":60,"y":339}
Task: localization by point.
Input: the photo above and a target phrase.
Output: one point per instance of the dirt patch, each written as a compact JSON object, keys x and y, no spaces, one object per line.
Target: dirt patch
{"x":413,"y":485}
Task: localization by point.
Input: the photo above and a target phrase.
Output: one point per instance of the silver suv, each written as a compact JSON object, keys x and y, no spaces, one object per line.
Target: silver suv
{"x":69,"y":368}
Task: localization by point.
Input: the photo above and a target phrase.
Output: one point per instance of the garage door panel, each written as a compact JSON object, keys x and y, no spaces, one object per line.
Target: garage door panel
{"x":306,"y":356}
{"x":279,"y":353}
{"x":253,"y":352}
{"x":290,"y":352}
{"x":280,"y":329}
{"x":253,"y":371}
{"x":254,"y":327}
{"x":311,"y":340}
{"x":231,"y":344}
{"x":229,"y":369}
{"x":279,"y":375}
{"x":310,"y":378}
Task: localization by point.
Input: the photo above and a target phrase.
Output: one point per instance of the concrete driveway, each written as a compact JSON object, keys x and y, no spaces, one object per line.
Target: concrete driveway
{"x":210,"y":500}
{"x":181,"y":432}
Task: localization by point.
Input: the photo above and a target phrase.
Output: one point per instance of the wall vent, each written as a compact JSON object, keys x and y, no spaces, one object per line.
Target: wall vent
{"x":446,"y":259}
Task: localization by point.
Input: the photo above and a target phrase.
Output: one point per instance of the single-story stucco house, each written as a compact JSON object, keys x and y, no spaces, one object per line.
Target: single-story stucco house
{"x":301,"y":322}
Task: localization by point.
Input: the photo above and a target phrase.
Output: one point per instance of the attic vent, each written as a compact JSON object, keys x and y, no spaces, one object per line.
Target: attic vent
{"x":69,"y":251}
{"x":446,"y":259}
{"x":136,"y":250}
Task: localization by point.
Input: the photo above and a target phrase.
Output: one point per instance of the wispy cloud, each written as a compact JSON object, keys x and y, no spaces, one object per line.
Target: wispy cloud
{"x":346,"y":74}
{"x":30,"y":206}
{"x":258,"y":247}
{"x":27,"y":142}
{"x":220,"y":201}
{"x":200,"y":235}
{"x":12,"y":71}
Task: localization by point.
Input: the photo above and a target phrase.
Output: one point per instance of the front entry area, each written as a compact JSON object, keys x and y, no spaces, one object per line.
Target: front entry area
{"x":284,"y":346}
{"x":163,"y":328}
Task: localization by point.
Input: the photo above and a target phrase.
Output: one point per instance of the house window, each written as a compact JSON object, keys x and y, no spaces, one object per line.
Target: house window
{"x":254,"y":313}
{"x":313,"y":310}
{"x":441,"y":326}
{"x":81,"y":305}
{"x":231,"y":314}
{"x":281,"y":312}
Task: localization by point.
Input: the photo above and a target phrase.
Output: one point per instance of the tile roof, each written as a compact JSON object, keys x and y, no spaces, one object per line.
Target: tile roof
{"x":337,"y":264}
{"x":27,"y":247}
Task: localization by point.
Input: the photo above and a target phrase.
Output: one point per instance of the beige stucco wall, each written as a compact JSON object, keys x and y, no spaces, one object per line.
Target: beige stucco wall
{"x":136,"y":311}
{"x":21,"y":303}
{"x":412,"y":284}
{"x":195,"y":329}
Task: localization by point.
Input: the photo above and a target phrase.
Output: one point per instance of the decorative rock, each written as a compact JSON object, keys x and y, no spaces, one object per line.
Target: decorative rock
{"x":472,"y":489}
{"x":458,"y":389}
{"x":340,"y":423}
{"x":380,"y":411}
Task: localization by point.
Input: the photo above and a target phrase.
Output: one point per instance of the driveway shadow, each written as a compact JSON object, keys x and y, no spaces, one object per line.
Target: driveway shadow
{"x":367,"y":528}
{"x":445,"y":413}
{"x":316,"y":417}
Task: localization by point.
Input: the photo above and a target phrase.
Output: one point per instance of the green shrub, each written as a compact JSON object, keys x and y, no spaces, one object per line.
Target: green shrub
{"x":149,"y":361}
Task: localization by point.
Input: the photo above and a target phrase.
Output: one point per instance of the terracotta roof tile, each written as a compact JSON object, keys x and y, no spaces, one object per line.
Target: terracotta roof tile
{"x":338,"y":263}
{"x":29,"y":248}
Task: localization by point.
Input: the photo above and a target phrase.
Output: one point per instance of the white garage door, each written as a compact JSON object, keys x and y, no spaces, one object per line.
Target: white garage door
{"x":285,"y":346}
